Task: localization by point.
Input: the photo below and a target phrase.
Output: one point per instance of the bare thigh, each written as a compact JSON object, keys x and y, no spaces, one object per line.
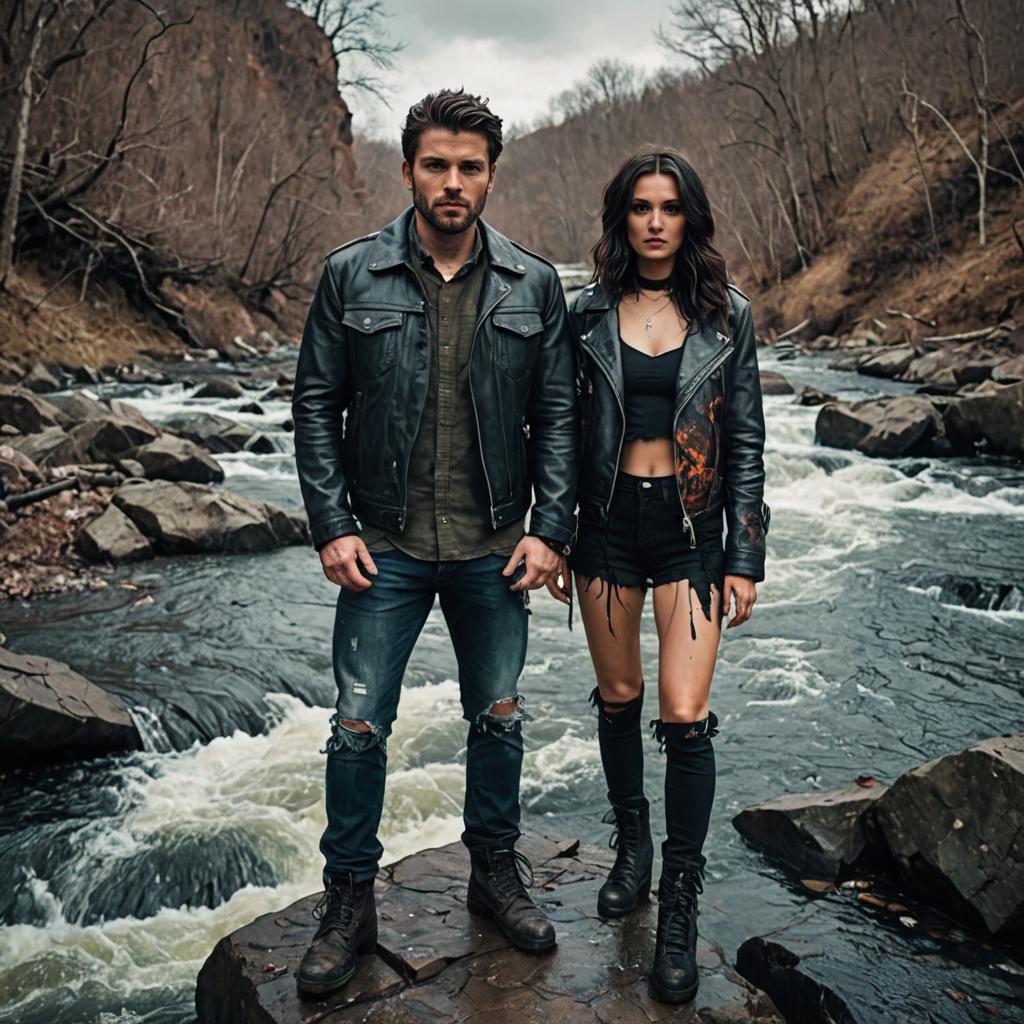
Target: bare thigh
{"x":685,"y":665}
{"x":616,"y":658}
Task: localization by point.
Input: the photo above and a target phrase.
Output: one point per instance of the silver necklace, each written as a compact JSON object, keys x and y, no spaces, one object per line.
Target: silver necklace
{"x":649,"y":321}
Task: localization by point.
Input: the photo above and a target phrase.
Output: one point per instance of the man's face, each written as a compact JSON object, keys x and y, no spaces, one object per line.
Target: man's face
{"x":450,"y":178}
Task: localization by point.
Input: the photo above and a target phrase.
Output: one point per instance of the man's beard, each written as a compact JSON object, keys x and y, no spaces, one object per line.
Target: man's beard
{"x":446,"y":225}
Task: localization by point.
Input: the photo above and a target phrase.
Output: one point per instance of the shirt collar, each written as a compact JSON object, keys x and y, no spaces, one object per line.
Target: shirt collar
{"x":427,"y":261}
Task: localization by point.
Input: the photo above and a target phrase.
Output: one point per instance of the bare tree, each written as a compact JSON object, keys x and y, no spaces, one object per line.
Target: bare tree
{"x":359,"y":38}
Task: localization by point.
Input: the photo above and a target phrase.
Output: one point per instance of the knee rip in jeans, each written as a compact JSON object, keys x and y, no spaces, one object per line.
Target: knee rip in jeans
{"x":689,"y":732}
{"x":346,"y":734}
{"x":508,"y":719}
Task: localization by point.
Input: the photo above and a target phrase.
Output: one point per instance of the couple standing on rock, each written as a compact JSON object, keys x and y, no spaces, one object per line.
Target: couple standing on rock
{"x":466,"y":385}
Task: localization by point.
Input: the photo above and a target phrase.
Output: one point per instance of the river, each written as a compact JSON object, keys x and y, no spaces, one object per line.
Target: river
{"x":889,"y":631}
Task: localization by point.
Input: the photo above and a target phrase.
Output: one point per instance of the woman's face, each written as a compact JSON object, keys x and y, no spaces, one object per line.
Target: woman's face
{"x":655,"y":224}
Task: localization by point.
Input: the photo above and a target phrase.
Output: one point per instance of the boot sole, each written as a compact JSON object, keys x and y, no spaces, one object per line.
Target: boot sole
{"x":643,"y":895}
{"x":482,"y":910}
{"x":671,"y":997}
{"x":318,"y":988}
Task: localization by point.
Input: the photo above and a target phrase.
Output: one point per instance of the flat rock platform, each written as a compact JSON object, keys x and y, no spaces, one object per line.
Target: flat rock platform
{"x":437,"y":963}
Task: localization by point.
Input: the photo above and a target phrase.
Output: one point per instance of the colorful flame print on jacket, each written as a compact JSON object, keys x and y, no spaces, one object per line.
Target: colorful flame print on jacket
{"x":697,"y":441}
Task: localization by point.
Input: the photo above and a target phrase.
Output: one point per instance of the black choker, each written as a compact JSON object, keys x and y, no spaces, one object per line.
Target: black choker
{"x":652,"y":284}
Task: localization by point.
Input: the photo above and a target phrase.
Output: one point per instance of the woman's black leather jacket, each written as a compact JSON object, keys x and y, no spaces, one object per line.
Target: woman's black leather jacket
{"x":718,"y":424}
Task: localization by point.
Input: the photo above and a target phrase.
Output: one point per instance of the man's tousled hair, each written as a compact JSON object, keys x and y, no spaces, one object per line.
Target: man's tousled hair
{"x":455,"y":110}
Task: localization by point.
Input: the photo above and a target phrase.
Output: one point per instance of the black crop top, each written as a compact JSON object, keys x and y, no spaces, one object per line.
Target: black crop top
{"x":649,"y":385}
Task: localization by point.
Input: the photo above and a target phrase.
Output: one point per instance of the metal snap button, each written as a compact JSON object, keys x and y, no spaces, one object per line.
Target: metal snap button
{"x":646,"y":483}
{"x":524,"y":328}
{"x":367,"y":321}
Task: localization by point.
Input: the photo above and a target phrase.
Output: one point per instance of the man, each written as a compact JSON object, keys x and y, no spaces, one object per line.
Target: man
{"x":447,"y":347}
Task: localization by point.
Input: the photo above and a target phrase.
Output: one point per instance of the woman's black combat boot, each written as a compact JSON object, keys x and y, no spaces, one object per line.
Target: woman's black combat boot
{"x":629,"y":880}
{"x":621,"y":742}
{"x":674,"y":976}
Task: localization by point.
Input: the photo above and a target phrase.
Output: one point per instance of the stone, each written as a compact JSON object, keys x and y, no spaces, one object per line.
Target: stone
{"x":817,"y":835}
{"x":814,"y":396}
{"x":954,"y":826}
{"x":890,"y":361}
{"x":841,"y":425}
{"x":903,"y":425}
{"x":1009,"y":371}
{"x":50,"y":447}
{"x":77,"y":406}
{"x":885,"y":427}
{"x":27,"y":412}
{"x":18,"y":473}
{"x":217,"y":433}
{"x":995,"y":418}
{"x":40,"y":379}
{"x":774,"y":384}
{"x":436,"y":962}
{"x":220,"y":387}
{"x":113,"y":537}
{"x":103,"y":437}
{"x":176,"y":458}
{"x":49,"y":712}
{"x":847,"y":363}
{"x":253,"y":408}
{"x":184,"y":517}
{"x":278,"y":393}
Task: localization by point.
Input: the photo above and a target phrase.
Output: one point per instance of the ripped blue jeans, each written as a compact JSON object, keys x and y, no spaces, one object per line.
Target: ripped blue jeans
{"x":374,"y":634}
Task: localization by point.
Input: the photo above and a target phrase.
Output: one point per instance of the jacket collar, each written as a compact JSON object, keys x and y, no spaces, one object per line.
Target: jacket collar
{"x":391,"y":246}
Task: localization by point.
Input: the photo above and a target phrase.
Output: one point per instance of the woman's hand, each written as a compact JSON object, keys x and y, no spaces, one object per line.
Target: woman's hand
{"x":744,"y":590}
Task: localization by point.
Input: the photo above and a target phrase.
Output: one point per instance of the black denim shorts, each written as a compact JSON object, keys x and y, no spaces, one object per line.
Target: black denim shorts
{"x":646,"y":544}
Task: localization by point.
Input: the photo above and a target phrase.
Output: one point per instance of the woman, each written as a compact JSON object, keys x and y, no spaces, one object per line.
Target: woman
{"x":672,"y":438}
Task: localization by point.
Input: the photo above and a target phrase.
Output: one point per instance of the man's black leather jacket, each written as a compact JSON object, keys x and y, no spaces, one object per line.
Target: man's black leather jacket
{"x":718,"y":424}
{"x":365,"y":353}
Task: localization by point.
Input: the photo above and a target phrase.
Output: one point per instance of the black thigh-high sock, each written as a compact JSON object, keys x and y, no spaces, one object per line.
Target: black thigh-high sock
{"x":689,"y":790}
{"x":622,"y":750}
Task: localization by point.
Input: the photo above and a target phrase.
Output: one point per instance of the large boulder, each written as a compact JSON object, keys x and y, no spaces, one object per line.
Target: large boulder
{"x":50,"y":447}
{"x":102,"y":437}
{"x":816,"y":834}
{"x":187,"y":517}
{"x":886,"y":427}
{"x":77,"y":406}
{"x":176,"y":458}
{"x":955,"y":827}
{"x":113,"y":537}
{"x":436,"y":962}
{"x":218,"y":433}
{"x":41,"y":378}
{"x":27,"y":412}
{"x":995,"y":418}
{"x":48,"y":712}
{"x":890,"y":361}
{"x":1009,"y":371}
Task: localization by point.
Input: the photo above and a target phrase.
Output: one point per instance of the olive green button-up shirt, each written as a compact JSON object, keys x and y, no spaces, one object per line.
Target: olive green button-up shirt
{"x":448,"y":515}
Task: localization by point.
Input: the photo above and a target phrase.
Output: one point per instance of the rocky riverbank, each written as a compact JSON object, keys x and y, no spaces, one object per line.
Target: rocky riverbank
{"x":87,"y":484}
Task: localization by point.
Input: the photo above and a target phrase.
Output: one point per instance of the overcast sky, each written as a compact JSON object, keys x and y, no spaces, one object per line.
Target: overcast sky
{"x":520,"y":53}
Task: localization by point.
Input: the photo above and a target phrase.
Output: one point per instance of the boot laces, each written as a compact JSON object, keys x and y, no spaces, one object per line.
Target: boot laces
{"x":624,"y":840}
{"x":680,"y":908}
{"x":510,"y":872}
{"x":336,"y":907}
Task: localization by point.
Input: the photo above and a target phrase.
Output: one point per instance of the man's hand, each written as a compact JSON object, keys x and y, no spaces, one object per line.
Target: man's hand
{"x":541,"y":564}
{"x":745,"y":592}
{"x":342,"y":558}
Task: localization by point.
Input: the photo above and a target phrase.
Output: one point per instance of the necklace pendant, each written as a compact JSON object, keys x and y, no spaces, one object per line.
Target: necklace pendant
{"x":649,"y":326}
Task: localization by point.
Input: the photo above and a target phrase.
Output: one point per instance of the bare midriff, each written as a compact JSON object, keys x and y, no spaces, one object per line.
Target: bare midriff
{"x":648,"y":458}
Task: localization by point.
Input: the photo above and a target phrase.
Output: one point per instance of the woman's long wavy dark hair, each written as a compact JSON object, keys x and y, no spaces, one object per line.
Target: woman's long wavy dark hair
{"x":698,"y":272}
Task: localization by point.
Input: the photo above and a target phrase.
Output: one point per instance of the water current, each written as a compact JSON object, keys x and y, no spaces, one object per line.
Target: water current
{"x":889,"y":631}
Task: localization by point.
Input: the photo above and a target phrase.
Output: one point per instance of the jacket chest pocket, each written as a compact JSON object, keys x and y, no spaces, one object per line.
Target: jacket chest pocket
{"x":516,"y":339}
{"x":373,"y":340}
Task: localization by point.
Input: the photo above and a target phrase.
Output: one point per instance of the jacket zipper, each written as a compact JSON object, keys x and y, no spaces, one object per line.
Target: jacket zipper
{"x":472,"y":397}
{"x":691,"y":389}
{"x":622,"y":413}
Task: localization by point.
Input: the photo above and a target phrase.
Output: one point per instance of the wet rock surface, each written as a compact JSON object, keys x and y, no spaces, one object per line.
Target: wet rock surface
{"x":818,"y":834}
{"x":435,"y":962}
{"x":774,"y":383}
{"x":49,"y":712}
{"x":955,"y":827}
